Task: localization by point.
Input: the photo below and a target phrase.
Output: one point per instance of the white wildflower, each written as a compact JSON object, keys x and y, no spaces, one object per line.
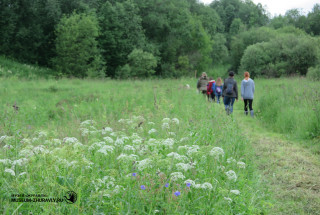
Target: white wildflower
{"x":231,"y":160}
{"x":166,"y":120}
{"x":231,"y":175}
{"x":7,"y":146}
{"x":119,"y":142}
{"x":108,"y":140}
{"x":25,"y":141}
{"x":192,"y":149}
{"x":177,"y":175}
{"x":40,"y":149}
{"x":151,"y":123}
{"x":2,"y":138}
{"x":168,"y":142}
{"x":241,"y":165}
{"x":152,"y":142}
{"x":117,"y":189}
{"x":183,"y":166}
{"x":70,"y":140}
{"x":35,"y":139}
{"x":20,"y":162}
{"x":10,"y":171}
{"x":236,"y":192}
{"x":217,"y":152}
{"x":206,"y":186}
{"x":176,"y":156}
{"x":105,"y":149}
{"x":137,"y":141}
{"x":228,"y":199}
{"x":26,"y":152}
{"x":42,"y":134}
{"x":6,"y":161}
{"x":175,"y":121}
{"x":84,"y":132}
{"x":172,"y":133}
{"x":144,"y":164}
{"x":197,"y":186}
{"x":165,"y":126}
{"x":21,"y":174}
{"x":151,"y":131}
{"x":129,"y":148}
{"x":221,"y":167}
{"x":96,"y":145}
{"x":108,"y":129}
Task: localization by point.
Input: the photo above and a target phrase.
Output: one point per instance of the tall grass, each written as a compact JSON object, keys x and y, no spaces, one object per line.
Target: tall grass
{"x":38,"y":155}
{"x":289,"y":105}
{"x":14,"y":70}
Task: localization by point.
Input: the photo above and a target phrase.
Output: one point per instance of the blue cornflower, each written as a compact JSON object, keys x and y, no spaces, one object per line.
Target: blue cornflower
{"x":188,"y":184}
{"x":167,"y":185}
{"x":143,"y":187}
{"x":177,"y":193}
{"x":134,"y":174}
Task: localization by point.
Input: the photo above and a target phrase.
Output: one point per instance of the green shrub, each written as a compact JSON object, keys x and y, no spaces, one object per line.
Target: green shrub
{"x":314,"y":73}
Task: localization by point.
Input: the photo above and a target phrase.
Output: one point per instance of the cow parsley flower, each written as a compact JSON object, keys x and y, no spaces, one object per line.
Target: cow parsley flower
{"x":206,"y":186}
{"x":87,"y":123}
{"x":6,"y":161}
{"x":119,"y":142}
{"x":231,"y":175}
{"x":151,"y":123}
{"x":129,"y":148}
{"x":166,"y":120}
{"x":192,"y":149}
{"x":8,"y":146}
{"x":216,"y":152}
{"x":236,"y":192}
{"x":177,"y":175}
{"x":231,"y":160}
{"x":20,"y":162}
{"x":105,"y":149}
{"x":108,"y":140}
{"x":168,"y":142}
{"x":183,"y":166}
{"x":241,"y":165}
{"x":10,"y":171}
{"x":165,"y":126}
{"x":70,"y":140}
{"x":228,"y":199}
{"x":175,"y":121}
{"x":143,"y":164}
{"x":151,"y":131}
{"x":2,"y":138}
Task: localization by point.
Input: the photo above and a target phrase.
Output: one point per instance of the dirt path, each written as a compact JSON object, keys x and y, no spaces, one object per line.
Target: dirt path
{"x":290,"y":171}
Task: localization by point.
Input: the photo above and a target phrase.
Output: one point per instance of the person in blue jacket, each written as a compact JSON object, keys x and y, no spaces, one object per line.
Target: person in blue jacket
{"x":218,"y":89}
{"x":247,"y":92}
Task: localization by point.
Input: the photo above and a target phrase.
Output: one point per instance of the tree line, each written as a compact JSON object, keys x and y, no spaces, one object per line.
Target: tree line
{"x":165,"y":38}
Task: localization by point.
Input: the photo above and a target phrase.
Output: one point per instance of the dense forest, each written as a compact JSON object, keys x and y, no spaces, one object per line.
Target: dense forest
{"x":164,"y":38}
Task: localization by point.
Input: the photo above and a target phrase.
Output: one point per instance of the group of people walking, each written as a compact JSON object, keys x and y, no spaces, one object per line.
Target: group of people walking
{"x":228,"y":91}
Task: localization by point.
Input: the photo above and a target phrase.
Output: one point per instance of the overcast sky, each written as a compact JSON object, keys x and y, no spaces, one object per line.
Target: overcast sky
{"x":279,"y":7}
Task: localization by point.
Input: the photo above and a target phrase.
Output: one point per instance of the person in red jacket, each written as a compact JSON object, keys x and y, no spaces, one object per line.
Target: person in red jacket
{"x":210,"y":87}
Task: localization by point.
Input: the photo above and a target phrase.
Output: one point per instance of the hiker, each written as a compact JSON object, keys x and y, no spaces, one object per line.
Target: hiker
{"x":247,"y":91}
{"x":229,"y":93}
{"x":211,"y":85}
{"x":218,"y":89}
{"x":202,"y":83}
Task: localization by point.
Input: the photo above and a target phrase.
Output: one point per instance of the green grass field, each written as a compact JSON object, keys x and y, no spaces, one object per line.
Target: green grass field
{"x":141,"y":147}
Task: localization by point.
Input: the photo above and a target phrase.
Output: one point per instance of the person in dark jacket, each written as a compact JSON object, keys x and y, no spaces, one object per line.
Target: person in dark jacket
{"x":229,"y":93}
{"x":202,"y":83}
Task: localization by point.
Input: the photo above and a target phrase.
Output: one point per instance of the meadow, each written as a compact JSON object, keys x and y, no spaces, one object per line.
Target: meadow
{"x":136,"y":147}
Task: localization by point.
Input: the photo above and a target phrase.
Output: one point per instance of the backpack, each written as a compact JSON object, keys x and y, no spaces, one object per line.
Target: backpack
{"x":218,"y":90}
{"x":229,"y":89}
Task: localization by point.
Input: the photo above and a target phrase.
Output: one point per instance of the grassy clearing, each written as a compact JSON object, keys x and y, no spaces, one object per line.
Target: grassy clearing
{"x":289,"y":169}
{"x":142,"y":147}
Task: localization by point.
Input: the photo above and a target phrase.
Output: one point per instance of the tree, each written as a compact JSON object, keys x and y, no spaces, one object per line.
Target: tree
{"x":141,"y":63}
{"x":76,"y":46}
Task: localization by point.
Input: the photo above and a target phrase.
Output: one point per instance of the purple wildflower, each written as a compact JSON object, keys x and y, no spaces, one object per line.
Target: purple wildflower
{"x":134,"y":174}
{"x":177,"y":193}
{"x":188,"y":184}
{"x":143,"y":187}
{"x":167,"y":185}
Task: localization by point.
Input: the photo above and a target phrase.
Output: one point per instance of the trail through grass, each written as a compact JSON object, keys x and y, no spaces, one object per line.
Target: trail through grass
{"x":288,"y":168}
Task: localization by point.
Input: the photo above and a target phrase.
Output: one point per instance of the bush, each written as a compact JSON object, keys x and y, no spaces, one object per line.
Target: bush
{"x":314,"y":73}
{"x":141,"y":63}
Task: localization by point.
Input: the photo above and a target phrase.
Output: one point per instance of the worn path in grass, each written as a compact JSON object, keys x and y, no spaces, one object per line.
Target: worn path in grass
{"x":290,"y":171}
